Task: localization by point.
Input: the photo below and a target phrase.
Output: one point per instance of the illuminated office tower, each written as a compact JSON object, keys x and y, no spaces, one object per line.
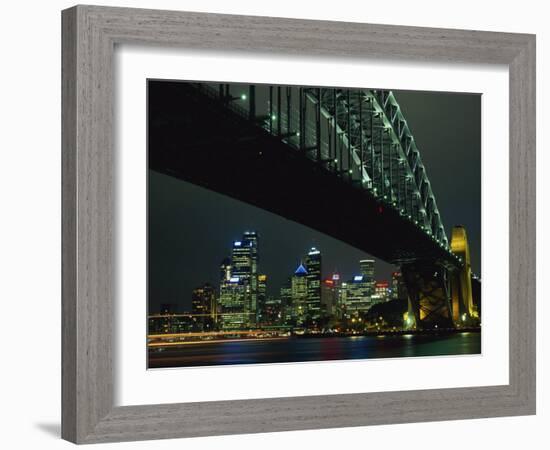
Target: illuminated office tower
{"x":203,"y":300}
{"x":358,"y":297}
{"x":299,"y":294}
{"x":203,"y":303}
{"x":285,"y":294}
{"x":233,"y":295}
{"x":224,"y":293}
{"x":262,"y":298}
{"x":381,"y":291}
{"x":329,"y":297}
{"x":244,"y":265}
{"x":314,"y":274}
{"x":339,"y":294}
{"x":366,"y":267}
{"x":272,"y":314}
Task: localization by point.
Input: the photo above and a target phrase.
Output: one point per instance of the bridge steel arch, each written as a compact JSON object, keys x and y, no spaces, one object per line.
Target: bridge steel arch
{"x":362,"y":137}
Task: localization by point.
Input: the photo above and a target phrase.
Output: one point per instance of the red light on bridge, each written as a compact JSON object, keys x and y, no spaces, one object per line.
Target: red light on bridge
{"x":380,"y":209}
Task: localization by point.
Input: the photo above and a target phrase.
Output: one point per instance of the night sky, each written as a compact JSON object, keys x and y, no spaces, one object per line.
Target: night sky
{"x":191,"y":229}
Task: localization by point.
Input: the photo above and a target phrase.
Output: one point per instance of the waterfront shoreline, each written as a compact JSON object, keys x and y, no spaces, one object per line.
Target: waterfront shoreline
{"x":444,"y":331}
{"x":295,"y":349}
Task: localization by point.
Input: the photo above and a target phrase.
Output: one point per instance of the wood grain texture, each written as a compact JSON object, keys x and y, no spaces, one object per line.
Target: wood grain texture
{"x":68,"y":225}
{"x":89,"y":36}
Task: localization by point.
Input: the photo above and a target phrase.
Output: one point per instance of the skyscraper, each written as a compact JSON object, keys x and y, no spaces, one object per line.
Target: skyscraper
{"x":299,"y":294}
{"x":262,"y":298}
{"x":244,"y":266}
{"x":285,"y":293}
{"x":314,"y":274}
{"x":329,"y":297}
{"x":381,"y":291}
{"x":203,"y":303}
{"x":203,"y":300}
{"x":233,"y":294}
{"x":358,"y":296}
{"x":272,"y":312}
{"x":366,"y":267}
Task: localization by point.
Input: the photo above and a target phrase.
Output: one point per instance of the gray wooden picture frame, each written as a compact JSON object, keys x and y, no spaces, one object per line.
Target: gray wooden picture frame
{"x":89,"y":37}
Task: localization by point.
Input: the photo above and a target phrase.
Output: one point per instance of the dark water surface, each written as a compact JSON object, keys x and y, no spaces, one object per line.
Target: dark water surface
{"x":316,"y":349}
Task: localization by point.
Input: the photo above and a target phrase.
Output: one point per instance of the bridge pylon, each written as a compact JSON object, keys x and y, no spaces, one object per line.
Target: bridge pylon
{"x":428,"y":286}
{"x":442,"y":296}
{"x":463,"y":307}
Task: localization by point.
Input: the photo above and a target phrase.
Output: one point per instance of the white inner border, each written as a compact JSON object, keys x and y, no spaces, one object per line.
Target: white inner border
{"x":135,"y":385}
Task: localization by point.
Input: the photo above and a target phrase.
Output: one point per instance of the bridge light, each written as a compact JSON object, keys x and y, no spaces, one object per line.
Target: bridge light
{"x":243,"y":96}
{"x":350,"y":171}
{"x":273,"y":117}
{"x":298,"y":133}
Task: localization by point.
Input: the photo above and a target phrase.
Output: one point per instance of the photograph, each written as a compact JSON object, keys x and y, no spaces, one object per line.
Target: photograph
{"x":292,"y":224}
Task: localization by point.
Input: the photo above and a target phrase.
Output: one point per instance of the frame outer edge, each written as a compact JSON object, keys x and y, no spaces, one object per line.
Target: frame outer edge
{"x":87,"y":299}
{"x":68,"y":224}
{"x":523,"y":225}
{"x":89,"y":33}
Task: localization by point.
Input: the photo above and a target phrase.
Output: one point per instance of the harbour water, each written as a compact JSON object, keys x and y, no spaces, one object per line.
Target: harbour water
{"x":299,"y":349}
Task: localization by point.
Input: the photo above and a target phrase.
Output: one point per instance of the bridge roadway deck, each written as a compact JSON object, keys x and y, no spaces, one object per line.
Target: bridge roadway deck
{"x":197,"y":139}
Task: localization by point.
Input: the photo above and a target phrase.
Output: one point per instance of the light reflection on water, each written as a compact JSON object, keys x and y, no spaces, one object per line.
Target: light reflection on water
{"x":317,"y":349}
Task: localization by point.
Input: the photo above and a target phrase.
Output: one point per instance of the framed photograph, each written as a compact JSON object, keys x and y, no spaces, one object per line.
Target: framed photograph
{"x":266,"y":204}
{"x":268,"y":230}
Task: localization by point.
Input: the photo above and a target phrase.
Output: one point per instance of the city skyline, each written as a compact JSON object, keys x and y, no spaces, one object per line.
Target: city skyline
{"x":308,"y":299}
{"x":273,"y":290}
{"x":278,"y":260}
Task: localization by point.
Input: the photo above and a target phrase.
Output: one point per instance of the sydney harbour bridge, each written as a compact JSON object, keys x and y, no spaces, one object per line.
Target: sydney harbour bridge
{"x":341,"y":161}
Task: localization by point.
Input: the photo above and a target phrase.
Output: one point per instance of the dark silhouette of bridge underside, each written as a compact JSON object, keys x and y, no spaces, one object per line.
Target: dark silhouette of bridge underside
{"x":196,"y":138}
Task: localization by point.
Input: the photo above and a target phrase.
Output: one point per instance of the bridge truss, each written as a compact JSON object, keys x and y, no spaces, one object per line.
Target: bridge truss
{"x":362,"y":136}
